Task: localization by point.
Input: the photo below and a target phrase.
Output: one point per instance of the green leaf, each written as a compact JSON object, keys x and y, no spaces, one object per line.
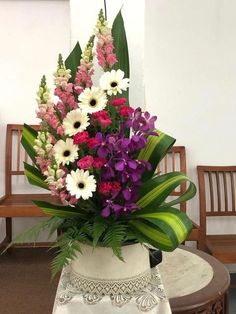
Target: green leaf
{"x":34,"y":176}
{"x":68,"y":249}
{"x":73,"y":60}
{"x":99,"y":227}
{"x":60,"y":211}
{"x":165,"y":229}
{"x":33,"y":233}
{"x":170,"y":220}
{"x":154,"y":191}
{"x":27,"y":140}
{"x":115,"y":236}
{"x":121,"y":48}
{"x":156,"y":149}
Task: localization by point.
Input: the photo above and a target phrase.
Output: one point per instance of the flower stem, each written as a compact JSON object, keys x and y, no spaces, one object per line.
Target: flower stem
{"x":105,"y":9}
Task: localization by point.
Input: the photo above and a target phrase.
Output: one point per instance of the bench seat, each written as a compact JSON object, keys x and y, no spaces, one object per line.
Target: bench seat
{"x":21,"y":205}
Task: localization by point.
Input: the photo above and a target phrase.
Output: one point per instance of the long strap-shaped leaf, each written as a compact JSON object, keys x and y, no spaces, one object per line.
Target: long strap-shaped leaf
{"x":58,"y":210}
{"x":164,"y":229}
{"x":121,"y":47}
{"x":73,"y":60}
{"x":154,"y":191}
{"x":156,"y":148}
{"x":177,"y":220}
{"x":35,"y":177}
{"x":27,"y":140}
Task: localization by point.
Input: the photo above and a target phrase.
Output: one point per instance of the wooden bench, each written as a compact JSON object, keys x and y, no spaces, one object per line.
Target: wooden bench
{"x":12,"y":204}
{"x":175,"y":160}
{"x":217,"y":197}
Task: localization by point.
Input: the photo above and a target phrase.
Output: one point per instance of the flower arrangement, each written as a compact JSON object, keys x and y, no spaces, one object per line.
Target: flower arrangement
{"x":98,"y":156}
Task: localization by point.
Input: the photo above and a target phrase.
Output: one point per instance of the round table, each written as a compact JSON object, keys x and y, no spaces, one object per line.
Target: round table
{"x":195,"y":282}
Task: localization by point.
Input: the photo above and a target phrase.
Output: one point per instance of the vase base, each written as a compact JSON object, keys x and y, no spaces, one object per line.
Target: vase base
{"x":110,"y":287}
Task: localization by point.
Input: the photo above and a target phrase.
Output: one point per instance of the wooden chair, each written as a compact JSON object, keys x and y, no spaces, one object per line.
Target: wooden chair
{"x":11,"y":204}
{"x":217,"y":193}
{"x":175,"y":160}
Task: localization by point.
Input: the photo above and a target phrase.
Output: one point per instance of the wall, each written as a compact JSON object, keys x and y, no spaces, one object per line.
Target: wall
{"x":32,"y":34}
{"x":190,"y":69}
{"x":190,"y":77}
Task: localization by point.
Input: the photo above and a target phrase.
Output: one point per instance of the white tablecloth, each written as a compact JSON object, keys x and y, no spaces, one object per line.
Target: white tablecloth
{"x":151,"y":300}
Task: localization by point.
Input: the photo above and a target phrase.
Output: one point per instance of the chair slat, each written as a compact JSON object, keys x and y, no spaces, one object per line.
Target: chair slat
{"x":225,"y":192}
{"x":232,"y":190}
{"x":211,"y":192}
{"x":218,"y":191}
{"x":173,"y":161}
{"x":18,"y":150}
{"x":165,"y":164}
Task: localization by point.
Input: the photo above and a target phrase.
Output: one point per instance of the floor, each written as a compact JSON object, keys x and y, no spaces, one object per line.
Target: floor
{"x":232,"y":296}
{"x":26,"y":286}
{"x":25,"y":282}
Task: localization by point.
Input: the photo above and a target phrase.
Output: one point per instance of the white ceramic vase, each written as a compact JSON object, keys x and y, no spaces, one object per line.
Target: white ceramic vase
{"x":98,"y":270}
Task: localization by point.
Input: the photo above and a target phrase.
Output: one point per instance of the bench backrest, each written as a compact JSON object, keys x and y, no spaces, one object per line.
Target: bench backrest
{"x":217,"y":192}
{"x":175,"y":160}
{"x":15,"y":155}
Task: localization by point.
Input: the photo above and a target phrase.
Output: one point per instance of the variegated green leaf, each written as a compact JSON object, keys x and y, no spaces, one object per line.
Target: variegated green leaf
{"x":121,"y":47}
{"x":27,"y":140}
{"x":176,"y":223}
{"x":155,"y":191}
{"x":59,"y":211}
{"x":156,"y":149}
{"x":152,"y":235}
{"x":34,"y":176}
{"x":73,"y":60}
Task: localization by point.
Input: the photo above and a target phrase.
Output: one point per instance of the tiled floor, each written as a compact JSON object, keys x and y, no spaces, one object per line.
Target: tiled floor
{"x":232,"y":296}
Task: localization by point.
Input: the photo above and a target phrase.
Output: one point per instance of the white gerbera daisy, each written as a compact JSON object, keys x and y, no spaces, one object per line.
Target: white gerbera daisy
{"x":80,"y":184}
{"x":92,"y":100}
{"x":65,"y":151}
{"x":75,"y":121}
{"x":113,"y":82}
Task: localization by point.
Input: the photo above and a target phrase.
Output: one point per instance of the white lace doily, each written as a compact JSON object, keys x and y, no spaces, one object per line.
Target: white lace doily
{"x":145,"y":299}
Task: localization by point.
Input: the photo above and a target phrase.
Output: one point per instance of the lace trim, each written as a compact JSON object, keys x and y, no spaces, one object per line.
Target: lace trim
{"x":145,"y":299}
{"x":109,"y":287}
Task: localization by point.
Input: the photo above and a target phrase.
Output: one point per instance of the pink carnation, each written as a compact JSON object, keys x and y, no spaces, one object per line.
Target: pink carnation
{"x":109,"y":187}
{"x":118,"y":102}
{"x":86,"y":162}
{"x":125,"y":111}
{"x":92,"y":142}
{"x":81,"y":137}
{"x":99,"y":162}
{"x":104,"y":188}
{"x":103,"y":118}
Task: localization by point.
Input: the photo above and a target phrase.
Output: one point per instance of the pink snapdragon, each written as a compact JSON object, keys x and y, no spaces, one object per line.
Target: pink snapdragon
{"x":105,"y":48}
{"x":83,"y":77}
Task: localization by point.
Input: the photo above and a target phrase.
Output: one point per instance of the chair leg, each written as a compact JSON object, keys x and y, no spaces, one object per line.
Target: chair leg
{"x":201,"y":245}
{"x":9,"y":229}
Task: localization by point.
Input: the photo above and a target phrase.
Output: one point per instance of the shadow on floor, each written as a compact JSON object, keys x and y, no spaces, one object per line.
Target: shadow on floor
{"x":25,"y":281}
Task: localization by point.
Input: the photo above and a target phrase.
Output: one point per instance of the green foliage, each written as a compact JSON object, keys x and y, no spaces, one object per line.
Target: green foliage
{"x":73,"y":60}
{"x":34,"y":176}
{"x":27,"y":140}
{"x":121,"y":48}
{"x":33,"y":233}
{"x":68,"y":249}
{"x":115,"y":236}
{"x":99,"y":227}
{"x":156,"y":149}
